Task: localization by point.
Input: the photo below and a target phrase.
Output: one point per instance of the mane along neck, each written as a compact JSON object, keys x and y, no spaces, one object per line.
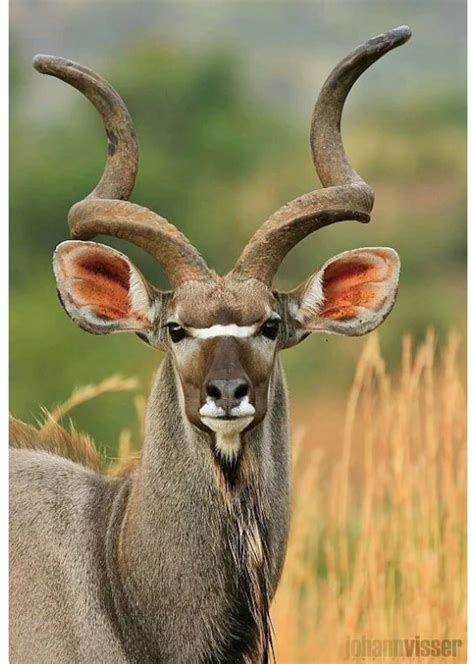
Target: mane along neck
{"x":202,"y":545}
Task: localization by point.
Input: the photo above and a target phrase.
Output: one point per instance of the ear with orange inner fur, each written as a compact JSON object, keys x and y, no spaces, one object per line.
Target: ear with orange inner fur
{"x":351,"y":294}
{"x":101,"y":290}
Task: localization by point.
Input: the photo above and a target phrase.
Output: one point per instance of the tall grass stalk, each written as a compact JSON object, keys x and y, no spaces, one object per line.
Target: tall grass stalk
{"x":377,"y":547}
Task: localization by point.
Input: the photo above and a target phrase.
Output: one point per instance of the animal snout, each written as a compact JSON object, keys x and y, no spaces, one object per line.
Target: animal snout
{"x":228,"y":393}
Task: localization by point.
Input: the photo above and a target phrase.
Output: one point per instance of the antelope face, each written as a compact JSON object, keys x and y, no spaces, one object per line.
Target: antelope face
{"x":224,"y":336}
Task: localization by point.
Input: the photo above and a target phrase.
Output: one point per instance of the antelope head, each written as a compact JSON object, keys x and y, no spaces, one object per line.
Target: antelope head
{"x":224,"y":332}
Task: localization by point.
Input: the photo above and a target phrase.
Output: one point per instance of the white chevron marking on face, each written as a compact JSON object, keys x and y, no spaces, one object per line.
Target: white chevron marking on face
{"x":222,"y":331}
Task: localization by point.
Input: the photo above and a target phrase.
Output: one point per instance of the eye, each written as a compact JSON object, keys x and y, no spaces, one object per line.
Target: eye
{"x":270,"y":328}
{"x":176,"y":332}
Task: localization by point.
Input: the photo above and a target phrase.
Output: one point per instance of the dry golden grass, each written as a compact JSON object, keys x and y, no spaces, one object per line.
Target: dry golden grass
{"x":377,"y":544}
{"x":378,"y":538}
{"x":68,"y":442}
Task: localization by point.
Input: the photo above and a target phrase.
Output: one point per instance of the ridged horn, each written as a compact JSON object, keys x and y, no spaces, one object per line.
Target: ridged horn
{"x":345,"y":194}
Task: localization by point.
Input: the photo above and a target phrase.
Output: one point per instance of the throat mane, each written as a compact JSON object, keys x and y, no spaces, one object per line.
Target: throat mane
{"x":249,"y":634}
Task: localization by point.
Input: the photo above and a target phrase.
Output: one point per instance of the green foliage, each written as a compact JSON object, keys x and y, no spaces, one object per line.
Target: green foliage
{"x":216,"y":162}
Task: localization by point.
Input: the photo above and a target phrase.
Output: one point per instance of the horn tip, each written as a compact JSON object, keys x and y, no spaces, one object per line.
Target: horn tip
{"x":49,"y":64}
{"x":40,"y":60}
{"x":400,"y":35}
{"x":393,"y":38}
{"x":42,"y":63}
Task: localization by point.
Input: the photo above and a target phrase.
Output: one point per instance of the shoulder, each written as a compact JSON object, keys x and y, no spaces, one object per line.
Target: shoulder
{"x":41,"y":482}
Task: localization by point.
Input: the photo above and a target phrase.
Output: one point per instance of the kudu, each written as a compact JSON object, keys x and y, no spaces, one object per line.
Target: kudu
{"x":179,"y":561}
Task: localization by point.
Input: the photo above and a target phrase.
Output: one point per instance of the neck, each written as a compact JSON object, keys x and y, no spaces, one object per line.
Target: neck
{"x":201,"y":549}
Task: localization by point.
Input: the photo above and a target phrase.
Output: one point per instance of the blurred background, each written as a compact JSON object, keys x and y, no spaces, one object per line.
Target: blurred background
{"x":221,"y":94}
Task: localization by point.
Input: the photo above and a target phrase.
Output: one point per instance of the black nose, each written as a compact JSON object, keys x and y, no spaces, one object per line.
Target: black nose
{"x":227,"y":393}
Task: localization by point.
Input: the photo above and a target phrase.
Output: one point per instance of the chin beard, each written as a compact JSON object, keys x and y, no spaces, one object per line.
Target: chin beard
{"x":227,"y":439}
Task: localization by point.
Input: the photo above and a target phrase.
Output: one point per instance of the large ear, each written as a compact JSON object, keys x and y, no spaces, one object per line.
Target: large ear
{"x":351,"y":294}
{"x":101,"y":290}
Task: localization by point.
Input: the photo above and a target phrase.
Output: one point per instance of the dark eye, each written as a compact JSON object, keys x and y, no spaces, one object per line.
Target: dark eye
{"x":270,"y":328}
{"x":176,"y":332}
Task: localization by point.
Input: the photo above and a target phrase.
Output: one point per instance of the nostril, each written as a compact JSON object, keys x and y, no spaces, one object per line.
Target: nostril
{"x":227,"y":393}
{"x":241,"y":390}
{"x":213,"y":391}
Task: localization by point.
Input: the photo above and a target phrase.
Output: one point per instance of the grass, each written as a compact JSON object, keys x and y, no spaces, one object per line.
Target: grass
{"x":377,"y":547}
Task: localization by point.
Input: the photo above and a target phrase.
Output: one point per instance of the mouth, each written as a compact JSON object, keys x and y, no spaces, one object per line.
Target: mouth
{"x":227,"y":422}
{"x":227,"y":426}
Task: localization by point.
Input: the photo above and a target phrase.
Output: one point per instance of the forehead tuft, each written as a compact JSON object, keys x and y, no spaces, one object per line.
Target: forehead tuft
{"x":222,"y":302}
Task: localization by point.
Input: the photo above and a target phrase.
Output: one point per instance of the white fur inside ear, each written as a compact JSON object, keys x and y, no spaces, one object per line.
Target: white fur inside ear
{"x":313,"y":297}
{"x":138,"y":295}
